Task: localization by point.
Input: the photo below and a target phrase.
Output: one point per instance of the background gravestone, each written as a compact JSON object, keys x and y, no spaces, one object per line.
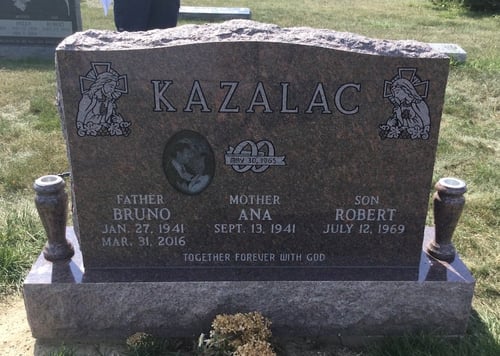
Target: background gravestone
{"x":33,"y":28}
{"x":213,"y":13}
{"x":244,"y":167}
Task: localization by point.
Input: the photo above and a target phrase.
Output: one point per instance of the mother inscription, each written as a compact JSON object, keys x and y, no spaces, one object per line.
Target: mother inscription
{"x":247,"y":151}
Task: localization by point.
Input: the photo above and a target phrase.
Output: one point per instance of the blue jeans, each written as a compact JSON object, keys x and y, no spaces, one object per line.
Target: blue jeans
{"x":143,"y":15}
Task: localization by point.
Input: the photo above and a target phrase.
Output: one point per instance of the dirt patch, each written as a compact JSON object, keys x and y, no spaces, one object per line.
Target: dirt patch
{"x":15,"y":334}
{"x":16,"y":338}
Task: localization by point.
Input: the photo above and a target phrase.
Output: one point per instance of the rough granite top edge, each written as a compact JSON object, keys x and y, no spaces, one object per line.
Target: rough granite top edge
{"x":243,"y":30}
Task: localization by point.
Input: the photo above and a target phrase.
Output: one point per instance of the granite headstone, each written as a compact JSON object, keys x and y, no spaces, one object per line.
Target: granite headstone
{"x":33,"y":28}
{"x":246,"y":167}
{"x":291,"y":155}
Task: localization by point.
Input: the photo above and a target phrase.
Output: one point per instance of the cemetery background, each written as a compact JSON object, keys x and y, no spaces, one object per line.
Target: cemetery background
{"x":32,"y":145}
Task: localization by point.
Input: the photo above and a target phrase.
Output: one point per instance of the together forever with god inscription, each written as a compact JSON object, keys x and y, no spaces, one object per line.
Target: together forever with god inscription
{"x":260,"y":154}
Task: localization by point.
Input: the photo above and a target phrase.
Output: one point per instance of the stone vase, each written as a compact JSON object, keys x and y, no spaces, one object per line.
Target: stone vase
{"x":448,"y":205}
{"x":51,"y":202}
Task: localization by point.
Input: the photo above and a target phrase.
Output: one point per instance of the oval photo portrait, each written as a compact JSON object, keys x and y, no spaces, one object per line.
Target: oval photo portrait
{"x":188,"y":162}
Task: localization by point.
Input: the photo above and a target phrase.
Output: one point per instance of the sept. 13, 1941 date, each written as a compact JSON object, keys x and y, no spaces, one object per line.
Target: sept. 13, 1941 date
{"x":256,"y":228}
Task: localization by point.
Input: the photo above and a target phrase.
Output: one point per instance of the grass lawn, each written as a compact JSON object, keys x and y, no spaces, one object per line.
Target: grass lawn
{"x":31,"y":143}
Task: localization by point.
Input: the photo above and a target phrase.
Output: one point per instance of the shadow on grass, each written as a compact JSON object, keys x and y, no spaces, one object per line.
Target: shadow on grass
{"x":481,"y":14}
{"x":480,"y":338}
{"x":468,"y":11}
{"x":478,"y":341}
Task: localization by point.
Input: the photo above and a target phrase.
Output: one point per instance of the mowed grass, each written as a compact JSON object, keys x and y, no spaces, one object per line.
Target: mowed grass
{"x":31,"y":143}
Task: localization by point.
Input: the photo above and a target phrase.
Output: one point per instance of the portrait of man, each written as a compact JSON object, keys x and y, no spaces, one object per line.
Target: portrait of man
{"x":188,"y":162}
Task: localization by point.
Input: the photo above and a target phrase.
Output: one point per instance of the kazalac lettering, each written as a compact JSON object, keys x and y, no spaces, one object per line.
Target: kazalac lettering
{"x":284,"y":100}
{"x":259,"y":99}
{"x":197,"y":98}
{"x":159,"y":95}
{"x":320,"y":99}
{"x":338,"y":98}
{"x":227,"y":99}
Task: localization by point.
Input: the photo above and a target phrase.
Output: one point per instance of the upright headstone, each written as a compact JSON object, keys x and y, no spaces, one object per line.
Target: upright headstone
{"x":242,"y":166}
{"x":450,"y":49}
{"x":275,"y":159}
{"x":33,"y":28}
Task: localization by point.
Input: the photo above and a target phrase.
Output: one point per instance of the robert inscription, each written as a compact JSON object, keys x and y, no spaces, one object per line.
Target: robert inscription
{"x":365,"y":218}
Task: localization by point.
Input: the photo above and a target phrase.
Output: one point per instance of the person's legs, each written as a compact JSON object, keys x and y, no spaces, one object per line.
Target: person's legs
{"x":132,"y":15}
{"x":163,"y":14}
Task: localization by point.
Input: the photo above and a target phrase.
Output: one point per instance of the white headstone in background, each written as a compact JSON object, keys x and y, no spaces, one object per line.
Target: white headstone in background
{"x":451,"y":50}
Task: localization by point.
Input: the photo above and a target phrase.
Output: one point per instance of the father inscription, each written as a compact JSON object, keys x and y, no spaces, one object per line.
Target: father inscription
{"x":279,"y":150}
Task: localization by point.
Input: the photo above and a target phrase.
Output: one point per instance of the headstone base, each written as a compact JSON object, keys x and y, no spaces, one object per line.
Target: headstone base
{"x":62,"y":308}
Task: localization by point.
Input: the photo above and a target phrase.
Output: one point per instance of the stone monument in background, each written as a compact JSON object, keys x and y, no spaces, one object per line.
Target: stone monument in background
{"x":33,"y":28}
{"x":244,"y":167}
